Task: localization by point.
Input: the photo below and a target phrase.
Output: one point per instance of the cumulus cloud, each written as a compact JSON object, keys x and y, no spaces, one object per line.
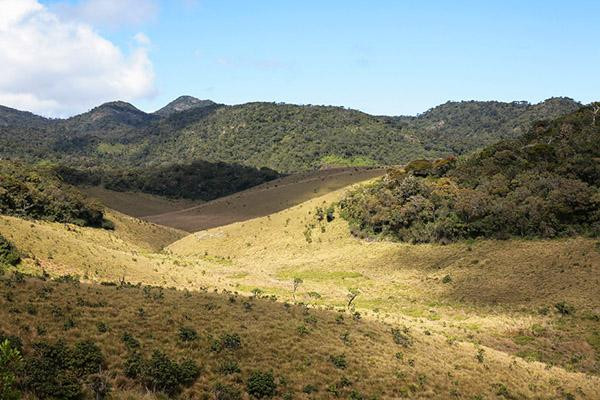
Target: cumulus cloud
{"x":55,"y":67}
{"x":109,"y":13}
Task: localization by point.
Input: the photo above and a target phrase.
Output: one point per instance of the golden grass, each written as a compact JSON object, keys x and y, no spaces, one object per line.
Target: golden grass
{"x":500,"y":296}
{"x":432,"y":367}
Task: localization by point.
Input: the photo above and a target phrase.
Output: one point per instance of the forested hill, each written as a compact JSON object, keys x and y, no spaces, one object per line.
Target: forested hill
{"x":459,"y":127}
{"x":284,"y":137}
{"x":543,"y":184}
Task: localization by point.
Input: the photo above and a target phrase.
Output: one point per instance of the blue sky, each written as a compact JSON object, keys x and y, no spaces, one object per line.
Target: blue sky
{"x":382,"y":57}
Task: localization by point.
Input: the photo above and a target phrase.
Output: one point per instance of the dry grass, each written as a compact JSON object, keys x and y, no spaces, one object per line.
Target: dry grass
{"x":264,"y":199}
{"x":500,"y":296}
{"x":137,"y":204}
{"x":432,"y":367}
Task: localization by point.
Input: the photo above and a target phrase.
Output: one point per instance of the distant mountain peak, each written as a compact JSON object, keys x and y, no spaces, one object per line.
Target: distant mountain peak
{"x":183,"y":103}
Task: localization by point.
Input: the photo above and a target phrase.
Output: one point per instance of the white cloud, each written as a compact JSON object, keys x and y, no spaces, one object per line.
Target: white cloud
{"x":59,"y":68}
{"x":109,"y":13}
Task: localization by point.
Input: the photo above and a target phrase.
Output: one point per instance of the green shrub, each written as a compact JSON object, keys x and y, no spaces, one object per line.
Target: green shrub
{"x":261,"y":384}
{"x":8,"y":253}
{"x":229,"y":367}
{"x":187,"y":334}
{"x":160,"y":373}
{"x":10,"y":364}
{"x":231,"y":341}
{"x":339,"y":361}
{"x":401,"y":337}
{"x":56,"y":371}
{"x":564,"y":308}
{"x":226,"y":392}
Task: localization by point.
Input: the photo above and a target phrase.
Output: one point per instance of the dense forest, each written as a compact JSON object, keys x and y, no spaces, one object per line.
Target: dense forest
{"x":287,"y":138}
{"x":199,"y":180}
{"x":544,"y":184}
{"x":36,"y":192}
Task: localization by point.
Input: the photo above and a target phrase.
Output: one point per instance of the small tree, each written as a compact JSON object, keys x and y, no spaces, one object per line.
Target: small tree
{"x":595,"y":113}
{"x":10,"y":362}
{"x":297,"y":282}
{"x":352,"y":294}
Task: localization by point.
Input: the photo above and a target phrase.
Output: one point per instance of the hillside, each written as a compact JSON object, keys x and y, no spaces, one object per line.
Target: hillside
{"x":544,"y":184}
{"x":459,"y":127}
{"x":507,"y":322}
{"x":284,"y":137}
{"x":262,"y":200}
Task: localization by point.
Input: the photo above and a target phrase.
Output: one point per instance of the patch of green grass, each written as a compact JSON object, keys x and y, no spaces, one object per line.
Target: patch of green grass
{"x":523,"y":339}
{"x":318,"y":275}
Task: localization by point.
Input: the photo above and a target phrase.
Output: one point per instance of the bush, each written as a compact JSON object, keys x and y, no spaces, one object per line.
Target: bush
{"x":226,"y":392}
{"x":56,"y":371}
{"x":187,"y":334}
{"x":261,"y":384}
{"x":339,"y":361}
{"x":160,"y":373}
{"x":231,"y":341}
{"x":229,"y":367}
{"x":8,"y":253}
{"x":10,"y":363}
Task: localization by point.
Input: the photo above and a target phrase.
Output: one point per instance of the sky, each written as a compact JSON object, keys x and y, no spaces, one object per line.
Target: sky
{"x":394,"y":57}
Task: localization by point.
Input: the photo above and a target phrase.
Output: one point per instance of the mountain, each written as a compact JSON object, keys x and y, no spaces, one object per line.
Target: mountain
{"x":283,"y":137}
{"x":183,"y":103}
{"x":459,"y":127}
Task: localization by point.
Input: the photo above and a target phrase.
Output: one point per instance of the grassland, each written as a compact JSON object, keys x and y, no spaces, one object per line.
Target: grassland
{"x":137,"y":204}
{"x":264,"y":199}
{"x":487,"y":319}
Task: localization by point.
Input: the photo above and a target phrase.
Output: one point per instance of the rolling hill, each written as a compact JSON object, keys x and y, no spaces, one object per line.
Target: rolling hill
{"x":262,"y":200}
{"x":284,"y":137}
{"x":507,"y":321}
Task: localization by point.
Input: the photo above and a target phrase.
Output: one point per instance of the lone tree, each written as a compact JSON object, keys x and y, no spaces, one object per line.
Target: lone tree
{"x":297,"y":282}
{"x":352,"y":294}
{"x":596,"y":110}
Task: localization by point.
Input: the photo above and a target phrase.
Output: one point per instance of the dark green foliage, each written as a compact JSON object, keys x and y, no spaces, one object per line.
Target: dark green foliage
{"x":459,"y":127}
{"x":542,"y":185}
{"x":130,"y":342}
{"x":564,"y":308}
{"x":198,"y":180}
{"x":261,"y":384}
{"x":54,"y":370}
{"x":35,"y":192}
{"x":8,"y":253}
{"x":160,"y":373}
{"x":10,"y":365}
{"x":87,"y":358}
{"x":231,"y":341}
{"x":187,"y":334}
{"x":339,"y":361}
{"x":229,"y":367}
{"x":226,"y":392}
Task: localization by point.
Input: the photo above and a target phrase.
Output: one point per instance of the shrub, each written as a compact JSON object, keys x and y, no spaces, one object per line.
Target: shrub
{"x":187,"y":334}
{"x":8,"y":253}
{"x":339,"y":361}
{"x":261,"y":384}
{"x":56,"y":371}
{"x":10,"y":363}
{"x":401,"y":337}
{"x":160,"y":373}
{"x":87,"y":358}
{"x":564,"y":308}
{"x":226,"y":392}
{"x":229,"y":367}
{"x":231,"y":341}
{"x":129,"y":341}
